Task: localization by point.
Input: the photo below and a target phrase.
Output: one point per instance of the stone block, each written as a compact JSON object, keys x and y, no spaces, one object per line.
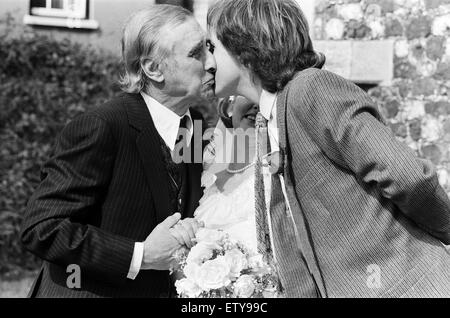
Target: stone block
{"x":365,"y":62}
{"x":339,"y":56}
{"x":373,"y":62}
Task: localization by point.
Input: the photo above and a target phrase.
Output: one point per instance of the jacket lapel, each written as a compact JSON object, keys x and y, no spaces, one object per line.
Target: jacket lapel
{"x":149,"y":148}
{"x":304,"y":238}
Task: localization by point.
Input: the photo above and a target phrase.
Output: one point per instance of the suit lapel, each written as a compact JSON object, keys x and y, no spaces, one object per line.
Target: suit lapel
{"x":149,"y":148}
{"x":300,"y":222}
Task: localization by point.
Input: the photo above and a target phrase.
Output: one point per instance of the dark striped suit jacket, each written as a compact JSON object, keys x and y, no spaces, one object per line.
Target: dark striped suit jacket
{"x":362,"y":203}
{"x":104,"y":189}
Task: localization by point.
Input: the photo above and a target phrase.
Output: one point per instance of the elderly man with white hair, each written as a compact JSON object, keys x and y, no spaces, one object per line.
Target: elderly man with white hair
{"x":113,"y":204}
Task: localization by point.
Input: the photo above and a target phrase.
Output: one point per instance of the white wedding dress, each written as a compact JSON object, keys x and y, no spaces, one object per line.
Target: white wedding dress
{"x":228,"y":202}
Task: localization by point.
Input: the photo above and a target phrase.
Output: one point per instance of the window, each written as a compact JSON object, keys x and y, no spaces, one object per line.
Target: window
{"x":61,"y":13}
{"x":188,"y":4}
{"x":60,"y":8}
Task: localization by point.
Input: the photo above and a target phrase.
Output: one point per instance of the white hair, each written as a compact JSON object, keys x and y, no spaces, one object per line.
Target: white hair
{"x":141,"y":40}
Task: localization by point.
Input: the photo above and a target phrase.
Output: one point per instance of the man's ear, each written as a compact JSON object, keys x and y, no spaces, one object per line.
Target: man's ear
{"x":152,"y":70}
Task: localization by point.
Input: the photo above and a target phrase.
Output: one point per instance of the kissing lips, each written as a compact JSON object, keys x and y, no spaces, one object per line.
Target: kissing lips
{"x":211,"y":84}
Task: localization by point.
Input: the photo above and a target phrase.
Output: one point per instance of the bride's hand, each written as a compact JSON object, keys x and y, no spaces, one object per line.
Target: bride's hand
{"x":184,"y":231}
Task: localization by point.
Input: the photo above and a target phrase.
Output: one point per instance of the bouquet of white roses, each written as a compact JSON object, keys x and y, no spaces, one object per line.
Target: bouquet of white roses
{"x":217,"y":266}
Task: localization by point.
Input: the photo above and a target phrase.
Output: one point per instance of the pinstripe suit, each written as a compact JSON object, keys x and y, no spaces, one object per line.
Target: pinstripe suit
{"x":359,"y":198}
{"x":105,"y":188}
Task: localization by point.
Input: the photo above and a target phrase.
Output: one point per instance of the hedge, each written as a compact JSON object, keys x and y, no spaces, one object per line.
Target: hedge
{"x":44,"y":83}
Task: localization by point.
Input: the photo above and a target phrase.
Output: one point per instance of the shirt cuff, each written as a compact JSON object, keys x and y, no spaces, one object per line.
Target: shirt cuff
{"x":136,"y":261}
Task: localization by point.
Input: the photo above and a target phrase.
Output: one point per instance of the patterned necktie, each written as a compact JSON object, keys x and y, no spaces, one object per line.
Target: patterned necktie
{"x":261,"y":216}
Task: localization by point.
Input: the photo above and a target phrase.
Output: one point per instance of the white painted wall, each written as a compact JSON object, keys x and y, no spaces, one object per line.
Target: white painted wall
{"x":110,"y":14}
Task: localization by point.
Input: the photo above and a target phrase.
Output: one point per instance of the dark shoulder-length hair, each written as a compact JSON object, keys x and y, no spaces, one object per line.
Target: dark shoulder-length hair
{"x":269,"y":37}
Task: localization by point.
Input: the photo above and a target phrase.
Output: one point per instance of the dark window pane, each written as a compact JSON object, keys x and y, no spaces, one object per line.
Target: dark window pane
{"x":188,"y":4}
{"x":57,"y":4}
{"x":37,"y":3}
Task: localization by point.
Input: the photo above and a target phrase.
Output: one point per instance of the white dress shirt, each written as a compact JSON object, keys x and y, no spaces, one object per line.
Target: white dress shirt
{"x":267,"y":107}
{"x":167,"y":123}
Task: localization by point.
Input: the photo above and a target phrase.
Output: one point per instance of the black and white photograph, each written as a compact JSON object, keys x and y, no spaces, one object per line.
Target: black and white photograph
{"x":254,"y":150}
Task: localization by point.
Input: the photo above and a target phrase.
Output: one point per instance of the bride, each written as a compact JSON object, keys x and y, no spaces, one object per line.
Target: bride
{"x":229,"y":174}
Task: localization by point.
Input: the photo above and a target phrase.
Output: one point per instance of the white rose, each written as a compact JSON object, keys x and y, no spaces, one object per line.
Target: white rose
{"x":190,"y":271}
{"x":201,"y":252}
{"x":244,"y":287}
{"x":257,"y":265}
{"x":237,"y":262}
{"x":214,"y":274}
{"x":255,"y":261}
{"x":270,"y":292}
{"x":188,"y":288}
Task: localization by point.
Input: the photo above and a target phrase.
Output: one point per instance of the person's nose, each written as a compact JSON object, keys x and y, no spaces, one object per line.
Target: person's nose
{"x":210,"y":64}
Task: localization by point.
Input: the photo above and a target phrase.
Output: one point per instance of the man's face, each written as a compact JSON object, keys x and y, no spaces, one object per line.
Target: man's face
{"x":189,"y":69}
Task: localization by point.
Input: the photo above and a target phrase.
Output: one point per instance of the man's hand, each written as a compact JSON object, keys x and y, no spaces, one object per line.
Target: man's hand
{"x":184,"y":231}
{"x":160,"y":245}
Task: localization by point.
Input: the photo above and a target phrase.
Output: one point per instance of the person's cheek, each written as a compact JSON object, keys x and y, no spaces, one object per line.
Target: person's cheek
{"x":221,"y":74}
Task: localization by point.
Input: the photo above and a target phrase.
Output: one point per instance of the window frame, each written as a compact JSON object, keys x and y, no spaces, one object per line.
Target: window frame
{"x":62,"y":17}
